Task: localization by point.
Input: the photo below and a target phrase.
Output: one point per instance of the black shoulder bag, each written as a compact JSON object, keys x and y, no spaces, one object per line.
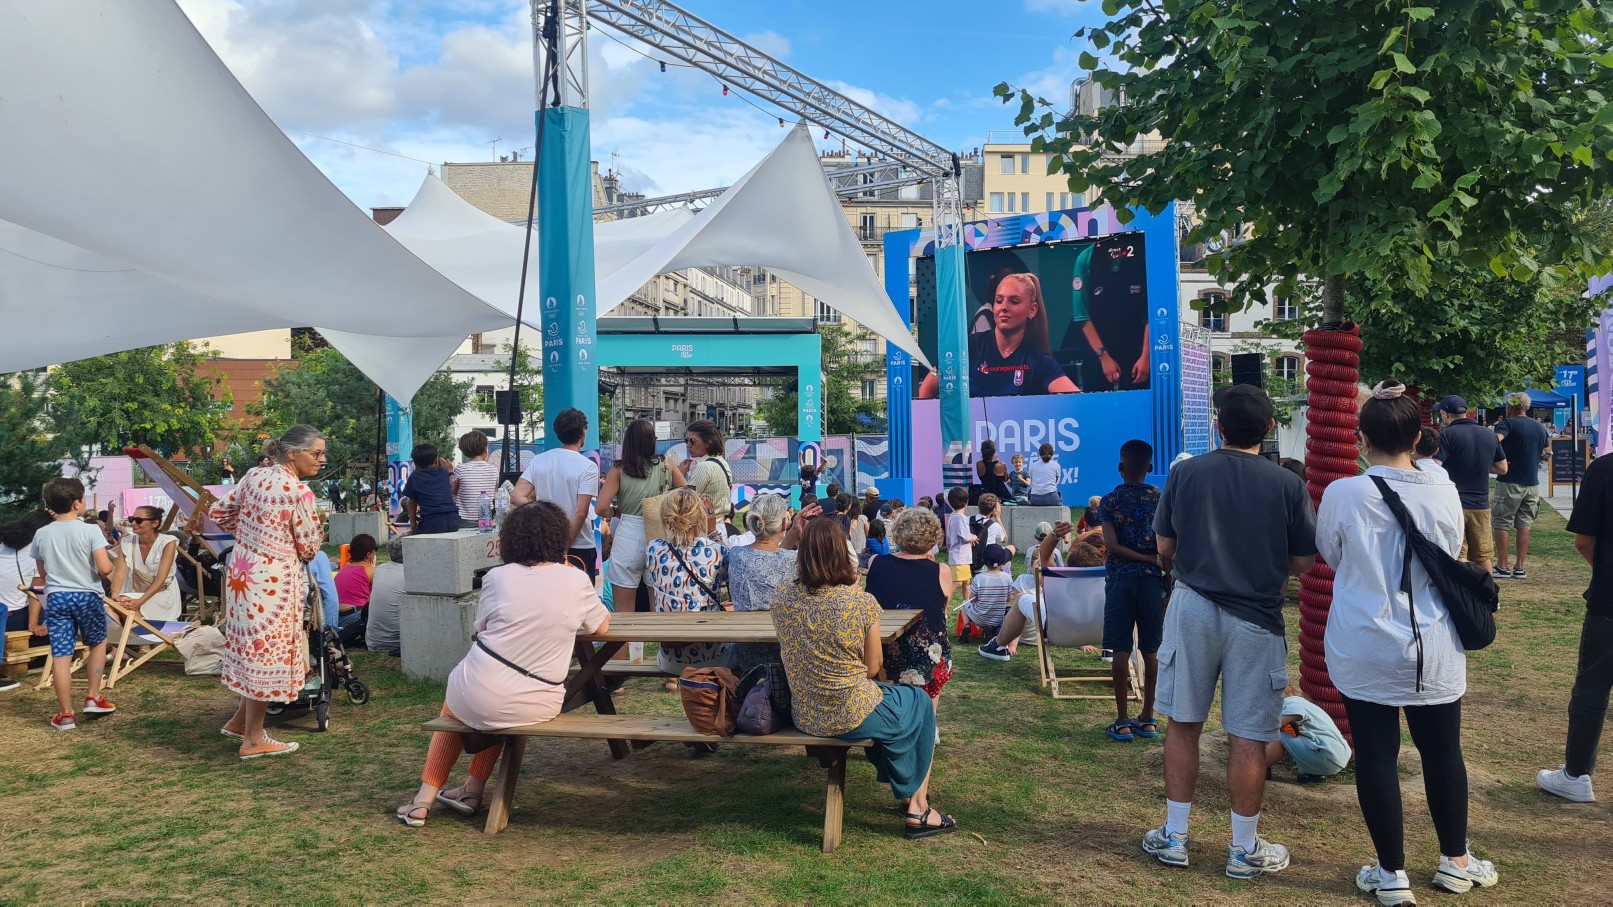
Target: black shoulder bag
{"x":1468,"y":591}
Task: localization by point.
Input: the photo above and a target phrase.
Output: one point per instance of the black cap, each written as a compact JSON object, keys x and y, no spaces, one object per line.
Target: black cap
{"x":1243,"y":410}
{"x":995,"y":555}
{"x":1453,"y":404}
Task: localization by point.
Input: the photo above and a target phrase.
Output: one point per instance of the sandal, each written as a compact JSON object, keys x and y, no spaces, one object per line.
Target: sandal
{"x":923,"y":829}
{"x":466,"y":804}
{"x":406,"y":813}
{"x":1119,"y":730}
{"x":1146,"y":728}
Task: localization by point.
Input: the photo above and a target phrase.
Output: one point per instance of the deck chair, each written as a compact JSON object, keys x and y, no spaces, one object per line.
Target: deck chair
{"x":1069,"y":611}
{"x":29,"y":653}
{"x":160,"y":635}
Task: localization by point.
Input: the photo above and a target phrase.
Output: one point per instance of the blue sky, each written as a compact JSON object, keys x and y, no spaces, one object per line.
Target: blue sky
{"x":437,"y":81}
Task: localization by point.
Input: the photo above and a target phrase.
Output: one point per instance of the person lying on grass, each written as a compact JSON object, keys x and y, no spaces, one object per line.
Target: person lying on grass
{"x":531,"y":610}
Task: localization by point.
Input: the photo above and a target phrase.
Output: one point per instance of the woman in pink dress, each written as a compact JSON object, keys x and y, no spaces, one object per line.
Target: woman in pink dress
{"x":277,"y":532}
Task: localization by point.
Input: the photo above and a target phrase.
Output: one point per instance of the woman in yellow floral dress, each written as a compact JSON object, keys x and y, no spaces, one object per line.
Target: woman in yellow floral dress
{"x":277,"y":531}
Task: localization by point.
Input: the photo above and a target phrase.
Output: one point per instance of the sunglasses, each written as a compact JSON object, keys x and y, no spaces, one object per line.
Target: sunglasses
{"x":144,"y":519}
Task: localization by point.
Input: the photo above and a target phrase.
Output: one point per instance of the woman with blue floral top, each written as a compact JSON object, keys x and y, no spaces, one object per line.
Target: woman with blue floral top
{"x":685,"y":572}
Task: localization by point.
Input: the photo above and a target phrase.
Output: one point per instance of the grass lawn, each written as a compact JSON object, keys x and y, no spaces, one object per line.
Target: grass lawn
{"x":151,"y":805}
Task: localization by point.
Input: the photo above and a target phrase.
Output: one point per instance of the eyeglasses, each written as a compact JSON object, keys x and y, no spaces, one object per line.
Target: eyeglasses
{"x":690,"y":440}
{"x":316,"y":454}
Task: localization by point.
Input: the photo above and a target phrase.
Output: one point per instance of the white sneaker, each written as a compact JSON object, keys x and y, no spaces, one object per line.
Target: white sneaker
{"x":1458,"y":879}
{"x":1559,"y":782}
{"x":1390,"y":887}
{"x":1168,"y":848}
{"x":1251,"y":864}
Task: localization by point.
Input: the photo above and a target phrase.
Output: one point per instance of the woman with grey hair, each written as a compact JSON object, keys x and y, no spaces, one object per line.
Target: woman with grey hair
{"x":277,"y":532}
{"x":382,"y":634}
{"x":756,"y":571}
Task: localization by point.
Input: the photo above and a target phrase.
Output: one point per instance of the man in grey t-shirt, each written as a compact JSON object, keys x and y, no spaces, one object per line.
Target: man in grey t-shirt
{"x":1231,"y":526}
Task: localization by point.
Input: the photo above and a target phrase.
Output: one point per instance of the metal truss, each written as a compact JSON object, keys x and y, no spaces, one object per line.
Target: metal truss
{"x":572,"y":24}
{"x":847,"y":182}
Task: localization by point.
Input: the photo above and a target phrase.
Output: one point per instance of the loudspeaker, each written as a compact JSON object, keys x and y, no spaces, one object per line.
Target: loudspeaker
{"x":1249,"y":368}
{"x":507,"y":404}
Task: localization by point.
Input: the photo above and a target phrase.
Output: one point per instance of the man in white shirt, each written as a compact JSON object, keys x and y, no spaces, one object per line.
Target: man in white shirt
{"x":564,"y":477}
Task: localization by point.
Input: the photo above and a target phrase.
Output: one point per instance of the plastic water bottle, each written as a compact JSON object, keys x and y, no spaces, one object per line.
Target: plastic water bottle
{"x":484,"y":514}
{"x":501,"y":505}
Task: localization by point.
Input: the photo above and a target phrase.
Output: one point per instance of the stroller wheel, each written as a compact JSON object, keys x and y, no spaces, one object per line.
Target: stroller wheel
{"x":322,"y":714}
{"x":357,"y":692}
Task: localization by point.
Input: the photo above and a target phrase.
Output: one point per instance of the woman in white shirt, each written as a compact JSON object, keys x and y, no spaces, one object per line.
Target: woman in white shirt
{"x":1388,"y":651}
{"x":17,"y":567}
{"x":1045,"y":473}
{"x":143,"y":576}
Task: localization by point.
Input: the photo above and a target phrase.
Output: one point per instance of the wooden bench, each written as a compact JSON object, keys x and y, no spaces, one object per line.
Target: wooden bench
{"x":23,"y":647}
{"x":644,"y":730}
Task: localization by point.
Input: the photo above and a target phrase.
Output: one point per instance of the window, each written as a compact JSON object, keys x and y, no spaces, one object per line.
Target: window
{"x":1288,"y":368}
{"x":1220,"y":368}
{"x":490,"y":431}
{"x":825,"y":313}
{"x":1214,"y":322}
{"x":996,"y":204}
{"x":870,"y":389}
{"x":909,"y":220}
{"x":1007,"y":164}
{"x":1050,"y":201}
{"x":867,"y":179}
{"x":1024,"y":163}
{"x":1025,"y":202}
{"x":1010,"y":203}
{"x":867,"y":226}
{"x":1285,"y":309}
{"x":1077,"y":200}
{"x":484,"y":396}
{"x":1064,"y":200}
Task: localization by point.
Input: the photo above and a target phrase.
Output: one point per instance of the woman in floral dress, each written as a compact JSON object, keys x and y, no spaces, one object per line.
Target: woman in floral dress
{"x":686,"y":572}
{"x":277,"y":531}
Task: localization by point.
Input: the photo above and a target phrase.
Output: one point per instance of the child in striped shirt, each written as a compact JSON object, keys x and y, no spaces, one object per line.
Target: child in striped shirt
{"x":990,"y":593}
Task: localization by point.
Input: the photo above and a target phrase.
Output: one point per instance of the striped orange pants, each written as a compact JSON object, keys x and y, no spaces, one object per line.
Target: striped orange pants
{"x":445,"y":751}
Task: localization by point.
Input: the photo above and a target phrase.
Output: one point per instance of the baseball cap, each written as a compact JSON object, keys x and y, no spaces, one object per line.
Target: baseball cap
{"x":1518,"y":398}
{"x":1043,"y":530}
{"x":886,"y":509}
{"x":1453,"y":404}
{"x":870,"y":492}
{"x":1244,"y":410}
{"x":994,"y":555}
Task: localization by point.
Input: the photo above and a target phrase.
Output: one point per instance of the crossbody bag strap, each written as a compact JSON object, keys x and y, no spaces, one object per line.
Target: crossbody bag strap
{"x":1398,"y":507}
{"x":515,"y":667}
{"x":694,"y":576}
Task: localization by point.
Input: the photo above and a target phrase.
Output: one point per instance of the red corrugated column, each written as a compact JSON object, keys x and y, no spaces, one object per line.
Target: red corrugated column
{"x":1332,"y":368}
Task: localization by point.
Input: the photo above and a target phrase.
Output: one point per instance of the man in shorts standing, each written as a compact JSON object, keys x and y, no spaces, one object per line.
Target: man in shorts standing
{"x":1232,"y":526}
{"x":1470,"y":453}
{"x":1517,"y":491}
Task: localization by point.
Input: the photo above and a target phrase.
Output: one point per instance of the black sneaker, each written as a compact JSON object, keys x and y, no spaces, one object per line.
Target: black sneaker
{"x":7,"y":685}
{"x":1520,"y":573}
{"x":994,"y":651}
{"x":1502,"y":573}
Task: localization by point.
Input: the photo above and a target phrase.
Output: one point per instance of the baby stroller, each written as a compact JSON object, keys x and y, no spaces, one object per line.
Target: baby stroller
{"x":329,"y":667}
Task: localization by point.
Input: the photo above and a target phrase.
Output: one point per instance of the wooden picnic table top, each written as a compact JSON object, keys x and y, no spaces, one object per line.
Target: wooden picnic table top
{"x":721,"y":626}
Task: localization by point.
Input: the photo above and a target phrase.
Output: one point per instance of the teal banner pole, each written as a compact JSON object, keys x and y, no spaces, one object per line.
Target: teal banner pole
{"x":399,"y":445}
{"x":952,"y":342}
{"x":566,"y":271}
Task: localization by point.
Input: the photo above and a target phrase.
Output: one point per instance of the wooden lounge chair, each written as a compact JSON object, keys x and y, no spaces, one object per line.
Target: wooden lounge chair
{"x":160,"y":635}
{"x":1069,"y":609}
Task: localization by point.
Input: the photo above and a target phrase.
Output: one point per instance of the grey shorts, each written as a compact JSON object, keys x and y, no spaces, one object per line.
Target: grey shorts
{"x":1514,"y":505}
{"x":1203,"y":642}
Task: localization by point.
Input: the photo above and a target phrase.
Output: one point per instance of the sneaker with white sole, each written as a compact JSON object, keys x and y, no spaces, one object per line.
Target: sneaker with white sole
{"x":1519,"y":573}
{"x":1390,"y":887}
{"x":1559,"y":782}
{"x":1459,"y":879}
{"x":1501,"y":572}
{"x":99,"y":706}
{"x":1251,"y":864}
{"x":7,"y":685}
{"x":1167,"y":848}
{"x":63,"y":723}
{"x":994,"y":651}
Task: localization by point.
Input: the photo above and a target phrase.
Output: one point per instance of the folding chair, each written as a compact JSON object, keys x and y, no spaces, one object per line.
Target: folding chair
{"x":1069,"y":613}
{"x":160,"y":635}
{"x":27,"y":653}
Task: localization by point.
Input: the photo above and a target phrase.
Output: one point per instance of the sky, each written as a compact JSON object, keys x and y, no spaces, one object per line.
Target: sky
{"x":428,"y":82}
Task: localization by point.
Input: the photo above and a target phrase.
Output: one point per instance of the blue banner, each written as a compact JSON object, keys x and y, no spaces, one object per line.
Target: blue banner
{"x":566,"y":271}
{"x":399,"y":445}
{"x":952,"y":343}
{"x":1086,"y":431}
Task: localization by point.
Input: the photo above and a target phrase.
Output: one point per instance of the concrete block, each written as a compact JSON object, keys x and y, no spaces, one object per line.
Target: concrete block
{"x":344,"y":526}
{"x":1021,"y":520}
{"x":447,"y":563}
{"x":435,"y":632}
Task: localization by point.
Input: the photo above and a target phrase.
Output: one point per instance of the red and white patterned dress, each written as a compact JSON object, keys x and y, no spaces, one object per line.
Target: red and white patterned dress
{"x":277,"y":531}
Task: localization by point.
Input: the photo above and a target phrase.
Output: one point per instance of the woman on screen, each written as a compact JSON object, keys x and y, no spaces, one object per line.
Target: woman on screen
{"x":1014,"y":358}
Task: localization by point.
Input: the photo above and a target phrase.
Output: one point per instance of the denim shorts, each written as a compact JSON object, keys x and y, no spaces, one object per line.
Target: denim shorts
{"x":1133,"y":601}
{"x":71,"y":615}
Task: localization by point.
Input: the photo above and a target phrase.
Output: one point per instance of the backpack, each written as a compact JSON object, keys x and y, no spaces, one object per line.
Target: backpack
{"x":709,"y":701}
{"x":977,"y":527}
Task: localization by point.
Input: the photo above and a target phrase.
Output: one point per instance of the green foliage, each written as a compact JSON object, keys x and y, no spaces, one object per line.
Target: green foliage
{"x":1407,"y":142}
{"x":31,"y":456}
{"x":530,"y":379}
{"x":157,"y":396}
{"x":843,"y":374}
{"x":325,"y":390}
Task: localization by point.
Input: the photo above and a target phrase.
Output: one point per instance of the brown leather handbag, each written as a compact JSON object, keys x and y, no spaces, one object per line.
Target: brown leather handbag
{"x":710,"y":700}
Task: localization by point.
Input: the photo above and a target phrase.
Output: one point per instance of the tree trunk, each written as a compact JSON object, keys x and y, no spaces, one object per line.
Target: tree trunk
{"x":1333,"y":300}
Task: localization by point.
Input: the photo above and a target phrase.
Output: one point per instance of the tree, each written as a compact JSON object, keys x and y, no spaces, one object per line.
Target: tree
{"x":1394,"y":140}
{"x":841,"y":403}
{"x":529,"y":377}
{"x":156,"y":395}
{"x":31,"y":454}
{"x":323,"y":389}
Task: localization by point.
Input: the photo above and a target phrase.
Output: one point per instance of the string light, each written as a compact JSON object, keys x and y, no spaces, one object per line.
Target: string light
{"x":725,"y":91}
{"x":781,"y":122}
{"x":826,"y":135}
{"x":663,"y":66}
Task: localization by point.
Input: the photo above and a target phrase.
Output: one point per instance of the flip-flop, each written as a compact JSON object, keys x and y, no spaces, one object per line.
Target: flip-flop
{"x":458,"y":804}
{"x":914,"y":832}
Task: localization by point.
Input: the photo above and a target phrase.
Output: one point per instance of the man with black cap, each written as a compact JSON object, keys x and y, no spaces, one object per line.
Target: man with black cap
{"x":1470,"y":453}
{"x":1232,"y":526}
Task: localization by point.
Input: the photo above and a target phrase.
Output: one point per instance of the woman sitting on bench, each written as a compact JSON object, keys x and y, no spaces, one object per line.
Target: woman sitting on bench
{"x":530,"y":614}
{"x":828,"y":631}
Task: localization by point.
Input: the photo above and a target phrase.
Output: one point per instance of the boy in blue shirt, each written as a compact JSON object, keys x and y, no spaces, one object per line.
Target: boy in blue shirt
{"x":73,"y":558}
{"x":1134,"y":591}
{"x":428,"y":495}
